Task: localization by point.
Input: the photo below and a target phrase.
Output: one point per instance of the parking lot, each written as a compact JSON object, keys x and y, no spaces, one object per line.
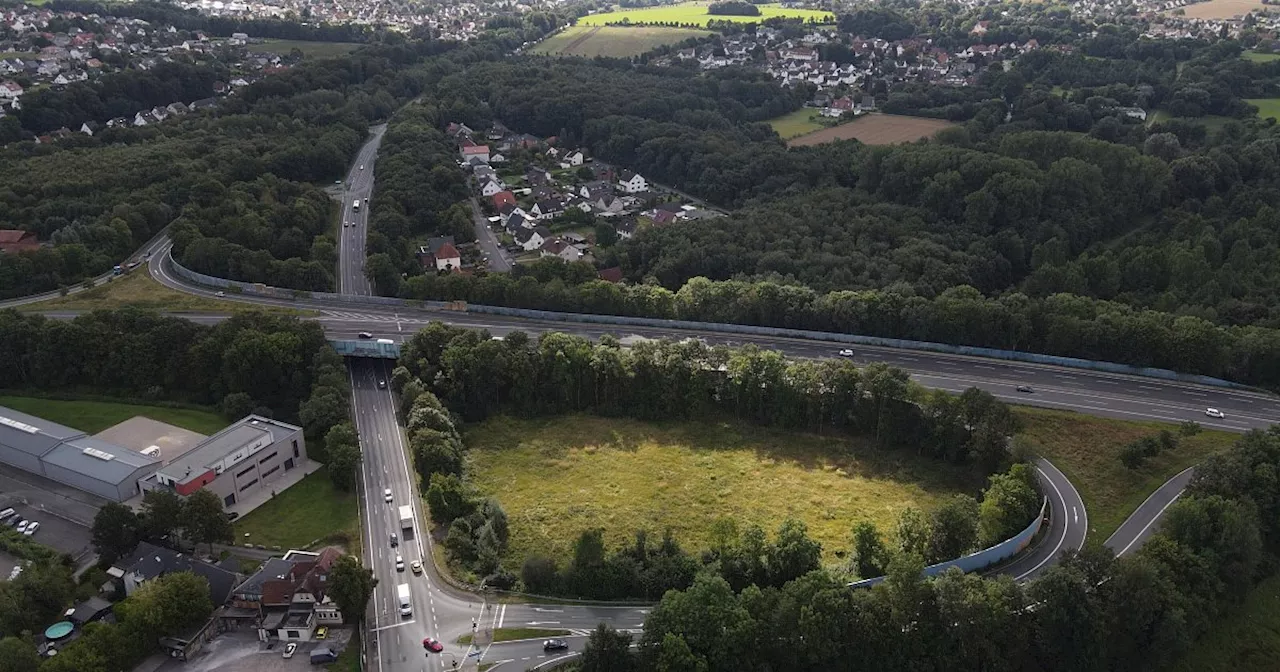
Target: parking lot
{"x":240,"y":651}
{"x":55,"y":532}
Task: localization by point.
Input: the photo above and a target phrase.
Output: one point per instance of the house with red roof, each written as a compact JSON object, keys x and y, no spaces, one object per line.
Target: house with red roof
{"x":503,"y":198}
{"x":16,"y":240}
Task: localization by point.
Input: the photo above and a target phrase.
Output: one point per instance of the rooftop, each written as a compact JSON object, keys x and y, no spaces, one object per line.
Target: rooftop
{"x":247,"y":431}
{"x":106,"y":462}
{"x":30,"y":434}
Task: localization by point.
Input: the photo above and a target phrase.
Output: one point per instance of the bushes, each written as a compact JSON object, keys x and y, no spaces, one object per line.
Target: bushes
{"x":1135,"y":453}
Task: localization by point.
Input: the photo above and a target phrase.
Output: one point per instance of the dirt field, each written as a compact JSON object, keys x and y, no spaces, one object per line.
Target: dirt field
{"x":1221,"y":9}
{"x":592,"y":41}
{"x":875,"y":129}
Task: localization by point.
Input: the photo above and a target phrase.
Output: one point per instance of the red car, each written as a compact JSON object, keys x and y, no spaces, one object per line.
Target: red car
{"x":432,"y":645}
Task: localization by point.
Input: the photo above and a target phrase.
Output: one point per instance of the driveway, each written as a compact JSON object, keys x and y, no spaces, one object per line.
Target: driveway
{"x":240,"y":651}
{"x":488,"y":241}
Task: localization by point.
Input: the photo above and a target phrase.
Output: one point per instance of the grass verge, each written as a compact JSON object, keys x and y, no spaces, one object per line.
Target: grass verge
{"x":559,"y":476}
{"x":513,"y":634}
{"x":1087,"y":448}
{"x":1247,"y":640}
{"x":308,"y":49}
{"x":94,"y":416}
{"x":140,"y":289}
{"x":313,"y":509}
{"x":349,"y":659}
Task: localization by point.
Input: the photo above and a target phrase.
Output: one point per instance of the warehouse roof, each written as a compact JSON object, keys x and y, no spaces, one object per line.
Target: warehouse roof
{"x":215,"y":448}
{"x":103,"y":461}
{"x":29,"y":434}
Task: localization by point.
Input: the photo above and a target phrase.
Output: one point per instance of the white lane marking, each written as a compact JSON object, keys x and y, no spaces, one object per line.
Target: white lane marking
{"x":502,"y":615}
{"x":1150,"y":523}
{"x":1061,"y":540}
{"x":1075,"y":513}
{"x":548,"y":611}
{"x":1148,"y":387}
{"x":1063,"y":376}
{"x":976,"y":366}
{"x":401,"y":624}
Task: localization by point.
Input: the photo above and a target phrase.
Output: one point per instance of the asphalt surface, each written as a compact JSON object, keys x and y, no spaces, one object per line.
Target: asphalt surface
{"x":1144,"y":521}
{"x":1067,"y":529}
{"x":496,"y":257}
{"x":355,"y":223}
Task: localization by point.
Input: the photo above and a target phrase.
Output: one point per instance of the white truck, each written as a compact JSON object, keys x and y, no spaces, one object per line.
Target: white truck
{"x":355,"y":205}
{"x":406,"y":520}
{"x":406,"y":607}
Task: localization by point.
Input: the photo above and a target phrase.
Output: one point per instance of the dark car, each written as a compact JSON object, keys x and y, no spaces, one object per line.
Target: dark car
{"x":322,"y":656}
{"x":15,"y":521}
{"x":395,"y":541}
{"x":555,"y":645}
{"x":232,"y":515}
{"x":1025,"y":388}
{"x":365,"y":335}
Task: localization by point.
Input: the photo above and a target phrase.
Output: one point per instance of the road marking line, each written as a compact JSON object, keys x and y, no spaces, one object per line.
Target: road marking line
{"x":1061,"y":541}
{"x":395,"y":625}
{"x":1144,"y":503}
{"x":503,"y":616}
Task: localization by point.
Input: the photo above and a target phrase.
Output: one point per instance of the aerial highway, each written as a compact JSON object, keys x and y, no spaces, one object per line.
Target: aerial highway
{"x":358,"y":187}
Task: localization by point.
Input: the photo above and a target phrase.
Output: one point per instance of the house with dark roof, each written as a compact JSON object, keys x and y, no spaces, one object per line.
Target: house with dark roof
{"x":632,"y":183}
{"x":547,"y":209}
{"x":440,"y":253}
{"x":150,"y":561}
{"x":289,"y":596}
{"x":531,"y":239}
{"x":613,"y":274}
{"x":595,"y":190}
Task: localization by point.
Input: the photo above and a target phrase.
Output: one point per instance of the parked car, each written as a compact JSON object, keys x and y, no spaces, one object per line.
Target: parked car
{"x":846,"y":353}
{"x":322,"y":656}
{"x":322,"y":632}
{"x":220,"y":293}
{"x":289,"y":649}
{"x":4,"y":515}
{"x":382,"y":384}
{"x":555,"y":645}
{"x":432,"y":645}
{"x":232,"y":515}
{"x":416,"y":566}
{"x":31,"y":529}
{"x":22,"y":527}
{"x":14,"y":521}
{"x":362,"y":166}
{"x":1214,"y":413}
{"x":1026,"y":388}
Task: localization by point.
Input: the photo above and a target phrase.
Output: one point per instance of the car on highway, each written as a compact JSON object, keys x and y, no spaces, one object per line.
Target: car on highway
{"x":395,"y":541}
{"x":362,"y":166}
{"x":337,"y":181}
{"x":432,"y":645}
{"x":1214,"y":413}
{"x":846,"y":353}
{"x":382,"y":384}
{"x":416,"y":566}
{"x":31,"y":529}
{"x":322,"y":632}
{"x":386,"y":494}
{"x":399,"y":563}
{"x":1026,"y":388}
{"x":220,"y":293}
{"x":288,"y":650}
{"x":555,"y":645}
{"x":364,"y":335}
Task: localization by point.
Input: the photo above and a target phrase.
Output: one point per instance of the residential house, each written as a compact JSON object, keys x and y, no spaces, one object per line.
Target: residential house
{"x":459,"y":131}
{"x":150,"y":561}
{"x":86,"y":128}
{"x":663,"y":217}
{"x":17,"y":240}
{"x":562,"y":249}
{"x":613,"y":274}
{"x":531,"y":239}
{"x":632,"y":183}
{"x":177,"y":108}
{"x":595,"y":190}
{"x":497,"y":158}
{"x":202,"y":104}
{"x":1135,"y":113}
{"x":602,"y":172}
{"x":547,"y":209}
{"x":806,"y":54}
{"x":490,"y":187}
{"x":608,"y":205}
{"x":980,"y":28}
{"x":477,"y":152}
{"x":483,"y":171}
{"x":288,"y":597}
{"x":10,"y":90}
{"x":441,"y":254}
{"x":572,"y":158}
{"x":91,"y":610}
{"x":537,"y":177}
{"x":625,"y":227}
{"x":502,"y":199}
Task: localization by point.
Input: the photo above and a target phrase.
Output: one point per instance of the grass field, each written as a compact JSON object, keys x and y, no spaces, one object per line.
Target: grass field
{"x":559,"y":476}
{"x":312,"y":509}
{"x":309,"y":49}
{"x":796,"y":124}
{"x":94,"y":416}
{"x":1221,"y":9}
{"x":1259,"y":58}
{"x":140,"y":289}
{"x":876,"y":129}
{"x":1085,"y":448}
{"x":1247,"y":640}
{"x":1267,"y":107}
{"x":696,"y":13}
{"x":590,"y":41}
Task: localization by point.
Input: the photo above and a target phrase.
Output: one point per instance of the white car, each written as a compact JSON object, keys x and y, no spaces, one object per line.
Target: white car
{"x":289,"y":649}
{"x":362,"y":166}
{"x":846,"y":353}
{"x":31,"y":529}
{"x":220,"y":293}
{"x":1214,"y":413}
{"x":399,"y":564}
{"x":386,"y":494}
{"x":22,"y":527}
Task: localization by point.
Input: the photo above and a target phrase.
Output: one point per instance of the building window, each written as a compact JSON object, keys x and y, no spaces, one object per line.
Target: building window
{"x":288,"y":464}
{"x":271,"y":471}
{"x":295,"y":447}
{"x":248,"y":485}
{"x":266,"y":458}
{"x":251,"y":467}
{"x":229,"y":500}
{"x":291,"y":634}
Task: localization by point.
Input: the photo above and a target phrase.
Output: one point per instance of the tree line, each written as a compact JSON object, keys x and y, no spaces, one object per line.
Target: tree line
{"x":1091,"y":611}
{"x":220,"y":26}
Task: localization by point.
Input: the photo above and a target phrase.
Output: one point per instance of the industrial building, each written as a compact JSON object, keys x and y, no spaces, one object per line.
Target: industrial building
{"x":71,"y":457}
{"x":240,"y":461}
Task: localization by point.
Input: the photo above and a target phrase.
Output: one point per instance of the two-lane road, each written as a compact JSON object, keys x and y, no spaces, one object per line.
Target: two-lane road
{"x":354,"y":227}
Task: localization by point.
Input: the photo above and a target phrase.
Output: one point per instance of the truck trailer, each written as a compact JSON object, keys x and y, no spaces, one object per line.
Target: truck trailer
{"x":406,"y":519}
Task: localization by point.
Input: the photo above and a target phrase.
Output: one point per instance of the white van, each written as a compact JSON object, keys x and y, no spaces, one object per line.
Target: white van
{"x":406,"y":607}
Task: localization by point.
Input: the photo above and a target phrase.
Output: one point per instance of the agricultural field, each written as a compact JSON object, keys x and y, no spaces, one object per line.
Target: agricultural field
{"x":1086,"y":449}
{"x":591,"y":41}
{"x":1259,"y":57}
{"x":1267,"y":107}
{"x":798,"y":123}
{"x":308,"y":49}
{"x":94,"y":416}
{"x":687,"y":13}
{"x":559,"y":476}
{"x":1221,"y":9}
{"x":876,"y":129}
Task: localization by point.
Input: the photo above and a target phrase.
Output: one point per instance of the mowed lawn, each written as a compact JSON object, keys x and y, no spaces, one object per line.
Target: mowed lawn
{"x":1246,"y":640}
{"x":559,"y":476}
{"x":1087,"y":448}
{"x":94,"y":416}
{"x":796,"y":124}
{"x":311,"y":510}
{"x":1259,"y":57}
{"x":1220,"y":9}
{"x":137,"y":288}
{"x":591,"y":41}
{"x":696,"y":13}
{"x":1267,"y":107}
{"x":876,"y":129}
{"x":308,"y":49}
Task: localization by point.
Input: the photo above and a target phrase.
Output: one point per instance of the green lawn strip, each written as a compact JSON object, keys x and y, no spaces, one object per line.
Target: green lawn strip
{"x":1267,"y":107}
{"x":140,"y":289}
{"x":308,"y":49}
{"x":556,"y":477}
{"x":513,"y":634}
{"x":94,"y":416}
{"x":1259,"y":57}
{"x":313,"y":509}
{"x":349,"y":659}
{"x":796,"y":124}
{"x":1246,"y":640}
{"x":1086,"y":449}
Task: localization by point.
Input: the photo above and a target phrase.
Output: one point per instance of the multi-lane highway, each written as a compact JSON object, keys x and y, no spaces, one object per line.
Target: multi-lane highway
{"x":358,"y":187}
